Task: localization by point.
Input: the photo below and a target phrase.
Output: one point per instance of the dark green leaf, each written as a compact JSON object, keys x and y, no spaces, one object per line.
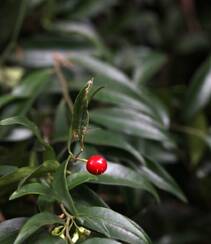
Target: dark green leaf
{"x":199,"y":91}
{"x":119,"y":175}
{"x":98,"y":240}
{"x":112,"y":225}
{"x":80,"y":119}
{"x":7,"y":169}
{"x":60,"y":188}
{"x":20,"y":120}
{"x":35,"y":223}
{"x":33,"y":188}
{"x":129,"y":122}
{"x":102,"y":137}
{"x":159,"y":177}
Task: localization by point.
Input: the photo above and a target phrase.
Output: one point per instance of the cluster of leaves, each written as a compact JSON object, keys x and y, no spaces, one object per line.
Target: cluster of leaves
{"x":143,"y":118}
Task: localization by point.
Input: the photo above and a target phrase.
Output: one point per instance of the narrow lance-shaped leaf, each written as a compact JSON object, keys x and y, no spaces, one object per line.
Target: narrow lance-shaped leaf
{"x":199,"y":92}
{"x":33,"y":188}
{"x":80,"y":118}
{"x":115,"y":174}
{"x":35,"y":223}
{"x":60,"y":188}
{"x":112,"y":225}
{"x":21,"y":120}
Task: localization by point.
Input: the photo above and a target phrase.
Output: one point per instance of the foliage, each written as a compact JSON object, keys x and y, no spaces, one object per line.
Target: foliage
{"x":146,"y":110}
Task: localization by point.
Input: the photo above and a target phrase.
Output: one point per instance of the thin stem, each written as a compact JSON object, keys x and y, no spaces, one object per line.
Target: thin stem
{"x":57,"y":66}
{"x":189,"y":130}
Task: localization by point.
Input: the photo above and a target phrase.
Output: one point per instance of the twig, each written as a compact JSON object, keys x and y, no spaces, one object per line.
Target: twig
{"x":58,"y":61}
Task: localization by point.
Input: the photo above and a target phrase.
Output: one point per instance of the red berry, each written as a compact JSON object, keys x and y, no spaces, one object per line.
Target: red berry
{"x":96,"y":165}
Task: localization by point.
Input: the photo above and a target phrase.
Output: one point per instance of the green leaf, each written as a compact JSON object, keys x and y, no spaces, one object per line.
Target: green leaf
{"x":24,"y":172}
{"x":98,"y":240}
{"x":112,"y":225}
{"x":118,"y":175}
{"x":35,"y":223}
{"x":33,"y":188}
{"x":9,"y":229}
{"x":100,"y":137}
{"x":148,"y":66}
{"x":79,"y":178}
{"x":60,"y":188}
{"x":31,"y":87}
{"x":84,"y":196}
{"x":4,"y":100}
{"x":79,"y":28}
{"x":45,"y":238}
{"x":129,"y":122}
{"x":160,"y":178}
{"x":80,"y":118}
{"x":199,"y":92}
{"x":20,"y":120}
{"x":197,"y":145}
{"x":47,"y":166}
{"x":99,"y":67}
{"x":7,"y":169}
{"x":61,"y":126}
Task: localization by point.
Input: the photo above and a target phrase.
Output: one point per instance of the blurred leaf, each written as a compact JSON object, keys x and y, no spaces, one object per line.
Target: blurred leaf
{"x":129,"y":122}
{"x":102,"y":137}
{"x":197,"y":145}
{"x":91,"y":8}
{"x":112,"y":224}
{"x":61,"y":126}
{"x":22,"y":173}
{"x":33,"y":188}
{"x":199,"y":92}
{"x":31,"y":126}
{"x":119,"y":175}
{"x":160,"y":178}
{"x":35,"y":223}
{"x":82,"y":29}
{"x":148,"y":66}
{"x":7,"y":169}
{"x":9,"y":229}
{"x":60,"y":188}
{"x":98,"y":240}
{"x":99,"y":67}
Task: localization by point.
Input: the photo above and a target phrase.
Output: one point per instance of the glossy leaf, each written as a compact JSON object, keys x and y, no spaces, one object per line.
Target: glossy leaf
{"x":99,"y":67}
{"x":119,"y":175}
{"x":199,"y":91}
{"x":35,"y":223}
{"x":100,"y":137}
{"x":60,"y":188}
{"x":129,"y":122}
{"x":160,"y":178}
{"x":112,"y":225}
{"x":33,"y":188}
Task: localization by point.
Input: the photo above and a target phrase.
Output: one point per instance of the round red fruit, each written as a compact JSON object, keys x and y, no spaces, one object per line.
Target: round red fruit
{"x":96,"y":165}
